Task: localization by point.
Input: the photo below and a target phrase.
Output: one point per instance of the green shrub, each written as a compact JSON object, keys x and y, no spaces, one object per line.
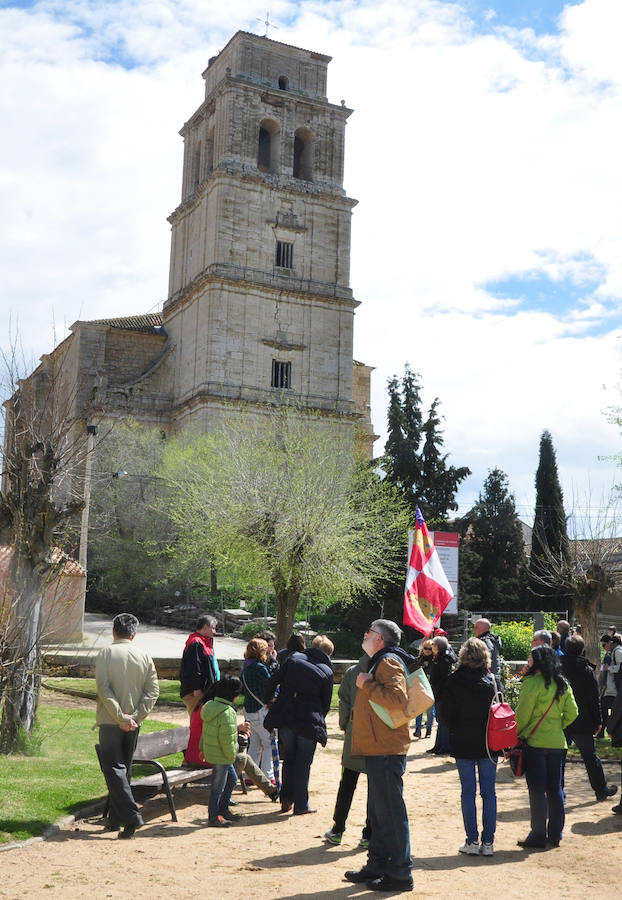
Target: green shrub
{"x":516,"y":638}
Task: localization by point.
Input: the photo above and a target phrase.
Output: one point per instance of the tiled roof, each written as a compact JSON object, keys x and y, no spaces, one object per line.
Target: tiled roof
{"x":148,"y":323}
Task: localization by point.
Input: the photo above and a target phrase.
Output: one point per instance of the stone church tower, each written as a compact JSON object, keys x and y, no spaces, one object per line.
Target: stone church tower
{"x":259,"y":305}
{"x":259,"y":309}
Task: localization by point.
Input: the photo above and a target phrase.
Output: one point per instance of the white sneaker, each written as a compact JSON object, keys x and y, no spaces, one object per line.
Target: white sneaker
{"x":487,"y":849}
{"x":472,"y":849}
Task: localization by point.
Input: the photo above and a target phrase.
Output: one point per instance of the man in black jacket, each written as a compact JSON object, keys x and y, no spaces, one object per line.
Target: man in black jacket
{"x":199,"y":666}
{"x":588,"y":723}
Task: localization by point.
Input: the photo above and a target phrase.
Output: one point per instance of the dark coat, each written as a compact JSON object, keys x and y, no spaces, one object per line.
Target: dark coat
{"x":464,"y":708}
{"x":306,"y":682}
{"x":582,"y":680}
{"x":439,"y":672}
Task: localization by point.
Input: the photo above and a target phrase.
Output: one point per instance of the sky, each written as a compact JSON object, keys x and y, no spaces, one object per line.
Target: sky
{"x":484,"y":150}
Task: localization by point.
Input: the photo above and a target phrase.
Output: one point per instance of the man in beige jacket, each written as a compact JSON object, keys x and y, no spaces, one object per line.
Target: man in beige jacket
{"x":127,"y":689}
{"x":389,"y":863}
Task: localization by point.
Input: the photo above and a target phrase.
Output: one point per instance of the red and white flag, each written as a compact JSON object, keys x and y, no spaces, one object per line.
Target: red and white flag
{"x":427,"y":591}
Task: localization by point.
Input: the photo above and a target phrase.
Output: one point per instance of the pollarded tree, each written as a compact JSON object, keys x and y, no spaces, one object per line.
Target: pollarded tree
{"x":275,"y":498}
{"x":549,"y":540}
{"x":43,"y":456}
{"x":414,"y":460}
{"x":495,"y":536}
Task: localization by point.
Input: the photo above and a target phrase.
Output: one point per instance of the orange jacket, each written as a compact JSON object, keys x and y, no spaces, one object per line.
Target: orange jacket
{"x":370,"y":736}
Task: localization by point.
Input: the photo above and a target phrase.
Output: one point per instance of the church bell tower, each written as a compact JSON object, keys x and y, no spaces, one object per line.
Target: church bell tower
{"x":259,"y":307}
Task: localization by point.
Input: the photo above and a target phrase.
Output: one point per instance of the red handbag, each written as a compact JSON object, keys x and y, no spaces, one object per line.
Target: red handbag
{"x":516,"y":755}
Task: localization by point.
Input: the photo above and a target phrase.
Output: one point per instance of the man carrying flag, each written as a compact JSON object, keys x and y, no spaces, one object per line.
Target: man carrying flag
{"x":427,"y":592}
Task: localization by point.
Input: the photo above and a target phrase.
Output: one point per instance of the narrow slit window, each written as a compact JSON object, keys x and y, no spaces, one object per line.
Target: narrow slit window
{"x":281,"y":374}
{"x":284,"y":255}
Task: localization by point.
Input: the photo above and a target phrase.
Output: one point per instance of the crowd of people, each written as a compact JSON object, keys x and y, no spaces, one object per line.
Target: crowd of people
{"x":287,"y":695}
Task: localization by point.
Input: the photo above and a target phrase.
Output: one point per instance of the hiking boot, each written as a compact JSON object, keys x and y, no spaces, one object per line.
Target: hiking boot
{"x":471,"y":848}
{"x":610,"y":790}
{"x":333,"y":837}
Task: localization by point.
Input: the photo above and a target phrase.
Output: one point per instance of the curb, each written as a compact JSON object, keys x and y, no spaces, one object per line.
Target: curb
{"x":52,"y":830}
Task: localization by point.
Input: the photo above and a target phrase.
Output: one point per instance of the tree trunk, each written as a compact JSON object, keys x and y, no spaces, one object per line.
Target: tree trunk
{"x":586,"y":610}
{"x":287,"y":603}
{"x":21,"y":670}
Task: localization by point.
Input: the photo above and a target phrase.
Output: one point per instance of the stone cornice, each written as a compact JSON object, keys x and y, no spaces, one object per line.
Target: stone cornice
{"x":233,"y":170}
{"x":275,"y":284}
{"x":236,"y":395}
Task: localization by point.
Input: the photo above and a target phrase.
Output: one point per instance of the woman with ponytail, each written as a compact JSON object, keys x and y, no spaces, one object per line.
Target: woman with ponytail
{"x":545,"y":707}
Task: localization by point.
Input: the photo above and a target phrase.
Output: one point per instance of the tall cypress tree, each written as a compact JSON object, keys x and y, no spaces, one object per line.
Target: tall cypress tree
{"x":420,"y":472}
{"x":549,"y":541}
{"x":494,"y":567}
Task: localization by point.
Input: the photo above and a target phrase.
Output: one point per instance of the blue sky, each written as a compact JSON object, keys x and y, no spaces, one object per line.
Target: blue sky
{"x":540,"y":15}
{"x":484,"y":150}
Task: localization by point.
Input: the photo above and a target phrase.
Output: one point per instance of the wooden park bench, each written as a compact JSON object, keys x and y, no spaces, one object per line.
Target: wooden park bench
{"x":152,"y":747}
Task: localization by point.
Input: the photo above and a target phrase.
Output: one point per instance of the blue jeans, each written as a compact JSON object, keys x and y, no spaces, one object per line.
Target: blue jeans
{"x":297,"y":754}
{"x":223,"y":782}
{"x":389,"y":845}
{"x":429,"y":720}
{"x":487,"y":772}
{"x":543,"y":771}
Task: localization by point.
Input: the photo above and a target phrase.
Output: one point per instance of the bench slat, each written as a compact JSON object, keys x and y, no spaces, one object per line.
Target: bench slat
{"x":161,"y":743}
{"x":175,"y":776}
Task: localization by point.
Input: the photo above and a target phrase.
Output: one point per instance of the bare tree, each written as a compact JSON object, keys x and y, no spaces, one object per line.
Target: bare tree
{"x":44,"y":451}
{"x":589,"y":569}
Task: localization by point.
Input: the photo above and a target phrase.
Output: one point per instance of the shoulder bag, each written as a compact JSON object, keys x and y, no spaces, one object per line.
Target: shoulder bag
{"x":516,"y":755}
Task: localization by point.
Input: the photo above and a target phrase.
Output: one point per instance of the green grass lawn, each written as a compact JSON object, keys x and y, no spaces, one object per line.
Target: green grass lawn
{"x":37,"y":790}
{"x":169,"y":689}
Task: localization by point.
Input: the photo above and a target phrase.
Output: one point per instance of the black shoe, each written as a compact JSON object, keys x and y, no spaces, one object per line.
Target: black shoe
{"x":432,"y":750}
{"x":552,"y":844}
{"x":530,"y":844}
{"x":610,"y":790}
{"x":361,"y":876}
{"x":274,"y":794}
{"x":128,"y":832}
{"x":387,"y":883}
{"x":417,"y":734}
{"x":305,"y":812}
{"x":428,"y":732}
{"x":286,"y":805}
{"x":617,"y":809}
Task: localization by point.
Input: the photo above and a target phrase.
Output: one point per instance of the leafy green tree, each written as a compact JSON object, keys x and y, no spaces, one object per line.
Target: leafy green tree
{"x":494,"y":537}
{"x":129,"y":533}
{"x":414,"y":460}
{"x":549,"y":540}
{"x":276,"y":499}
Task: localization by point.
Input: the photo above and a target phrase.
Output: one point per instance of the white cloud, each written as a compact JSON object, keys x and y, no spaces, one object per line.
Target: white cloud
{"x":476,"y":157}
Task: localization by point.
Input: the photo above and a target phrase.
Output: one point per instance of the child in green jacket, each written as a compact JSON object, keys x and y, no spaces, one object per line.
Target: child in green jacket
{"x":219,"y":743}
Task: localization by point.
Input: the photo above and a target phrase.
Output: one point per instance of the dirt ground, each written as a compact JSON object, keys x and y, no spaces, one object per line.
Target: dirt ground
{"x":271,"y":855}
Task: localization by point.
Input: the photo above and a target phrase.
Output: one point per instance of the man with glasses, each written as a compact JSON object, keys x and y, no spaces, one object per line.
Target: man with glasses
{"x":389,"y":863}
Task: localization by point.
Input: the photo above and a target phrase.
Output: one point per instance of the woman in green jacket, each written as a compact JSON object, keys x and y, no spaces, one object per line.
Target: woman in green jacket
{"x":219,"y":743}
{"x":545,"y":707}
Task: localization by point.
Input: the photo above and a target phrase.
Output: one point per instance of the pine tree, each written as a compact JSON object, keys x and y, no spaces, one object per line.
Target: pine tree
{"x":549,"y":541}
{"x":420,"y":472}
{"x":495,"y":561}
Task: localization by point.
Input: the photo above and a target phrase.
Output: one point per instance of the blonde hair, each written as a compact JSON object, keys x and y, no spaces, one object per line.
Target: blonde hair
{"x":257,"y":649}
{"x":323,"y":643}
{"x":474,"y":654}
